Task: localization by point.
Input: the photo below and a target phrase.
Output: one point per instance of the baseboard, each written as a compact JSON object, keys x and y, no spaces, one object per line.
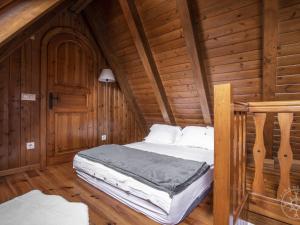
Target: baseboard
{"x":19,"y":169}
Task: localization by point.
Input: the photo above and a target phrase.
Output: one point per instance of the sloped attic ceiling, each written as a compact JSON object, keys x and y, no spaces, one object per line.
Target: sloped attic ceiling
{"x":21,"y":19}
{"x":228,"y":35}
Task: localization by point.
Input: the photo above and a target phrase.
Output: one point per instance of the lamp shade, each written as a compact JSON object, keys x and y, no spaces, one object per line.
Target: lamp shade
{"x":106,"y":76}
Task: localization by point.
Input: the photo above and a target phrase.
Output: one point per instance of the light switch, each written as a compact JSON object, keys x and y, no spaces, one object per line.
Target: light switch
{"x":30,"y":145}
{"x":28,"y":97}
{"x":103,"y":137}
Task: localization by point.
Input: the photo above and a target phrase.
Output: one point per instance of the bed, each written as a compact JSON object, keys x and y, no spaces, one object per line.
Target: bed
{"x":154,"y":203}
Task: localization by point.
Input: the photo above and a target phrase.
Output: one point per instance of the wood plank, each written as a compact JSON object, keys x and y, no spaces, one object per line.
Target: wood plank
{"x":4,"y":3}
{"x":23,"y":18}
{"x":138,"y":34}
{"x":103,"y":209}
{"x":223,"y":154}
{"x":99,"y":33}
{"x":193,"y":50}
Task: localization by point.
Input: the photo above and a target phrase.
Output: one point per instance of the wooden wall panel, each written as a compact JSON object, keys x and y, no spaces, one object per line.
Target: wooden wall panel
{"x":115,"y":118}
{"x":20,"y":120}
{"x":164,"y":31}
{"x":288,"y":66}
{"x":230,"y":33}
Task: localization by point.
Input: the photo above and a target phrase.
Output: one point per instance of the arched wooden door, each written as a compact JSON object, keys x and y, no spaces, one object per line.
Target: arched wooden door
{"x":70,"y":68}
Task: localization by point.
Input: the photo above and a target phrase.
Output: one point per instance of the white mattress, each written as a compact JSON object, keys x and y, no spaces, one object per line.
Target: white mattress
{"x":154,"y":203}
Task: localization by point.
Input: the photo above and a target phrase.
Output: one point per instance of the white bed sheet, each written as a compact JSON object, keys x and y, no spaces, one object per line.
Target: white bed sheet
{"x":181,"y":203}
{"x":163,"y":207}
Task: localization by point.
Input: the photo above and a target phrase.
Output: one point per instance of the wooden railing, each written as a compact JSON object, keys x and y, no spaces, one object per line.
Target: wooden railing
{"x":230,"y":194}
{"x":284,"y":110}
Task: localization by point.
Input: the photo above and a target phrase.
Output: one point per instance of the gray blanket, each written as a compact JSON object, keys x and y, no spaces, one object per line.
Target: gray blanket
{"x":162,"y":172}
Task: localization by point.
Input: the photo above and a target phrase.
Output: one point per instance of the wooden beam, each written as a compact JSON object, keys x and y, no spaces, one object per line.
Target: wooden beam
{"x":270,"y":42}
{"x":99,"y":35}
{"x":140,"y":40}
{"x":4,"y":3}
{"x":80,"y":5}
{"x":21,"y":19}
{"x":194,"y":53}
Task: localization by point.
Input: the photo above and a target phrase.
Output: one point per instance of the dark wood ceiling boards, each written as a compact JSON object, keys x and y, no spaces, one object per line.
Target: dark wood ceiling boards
{"x":228,"y":34}
{"x":140,"y":40}
{"x":191,"y":39}
{"x":79,"y":5}
{"x":163,"y":28}
{"x":20,"y":19}
{"x":118,"y":39}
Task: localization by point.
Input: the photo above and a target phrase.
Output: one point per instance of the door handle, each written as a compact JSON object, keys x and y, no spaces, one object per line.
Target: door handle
{"x":52,"y":100}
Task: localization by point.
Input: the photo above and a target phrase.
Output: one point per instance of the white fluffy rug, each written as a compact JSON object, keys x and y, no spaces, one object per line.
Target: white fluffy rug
{"x":36,"y":208}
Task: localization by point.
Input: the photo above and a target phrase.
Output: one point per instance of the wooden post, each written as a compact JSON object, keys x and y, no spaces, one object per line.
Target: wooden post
{"x":223,"y":123}
{"x":270,"y":41}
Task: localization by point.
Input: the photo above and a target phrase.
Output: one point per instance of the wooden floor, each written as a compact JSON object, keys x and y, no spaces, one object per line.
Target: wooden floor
{"x":103,"y":210}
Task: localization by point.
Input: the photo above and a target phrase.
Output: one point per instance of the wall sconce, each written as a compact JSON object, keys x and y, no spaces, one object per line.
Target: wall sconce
{"x":107,"y":76}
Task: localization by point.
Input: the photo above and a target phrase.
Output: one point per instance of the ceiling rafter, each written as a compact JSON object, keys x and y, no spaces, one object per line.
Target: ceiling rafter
{"x":140,"y":40}
{"x":99,"y":35}
{"x":193,"y":51}
{"x":80,"y":5}
{"x":27,"y":17}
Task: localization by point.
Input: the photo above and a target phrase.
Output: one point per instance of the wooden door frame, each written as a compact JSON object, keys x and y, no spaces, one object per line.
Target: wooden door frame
{"x":90,"y":44}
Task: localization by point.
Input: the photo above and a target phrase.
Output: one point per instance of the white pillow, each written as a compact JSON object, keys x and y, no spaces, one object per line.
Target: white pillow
{"x":199,"y":137}
{"x":163,"y":134}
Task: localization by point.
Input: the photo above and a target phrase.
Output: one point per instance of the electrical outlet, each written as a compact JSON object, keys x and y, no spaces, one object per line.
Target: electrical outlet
{"x":30,"y":145}
{"x":103,"y":137}
{"x":28,"y":97}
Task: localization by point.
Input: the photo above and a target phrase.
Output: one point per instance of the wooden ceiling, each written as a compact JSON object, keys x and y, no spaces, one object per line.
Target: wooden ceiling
{"x":172,"y":52}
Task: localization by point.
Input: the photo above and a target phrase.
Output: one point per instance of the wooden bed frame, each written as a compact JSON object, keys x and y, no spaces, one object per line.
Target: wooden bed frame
{"x":231,"y":200}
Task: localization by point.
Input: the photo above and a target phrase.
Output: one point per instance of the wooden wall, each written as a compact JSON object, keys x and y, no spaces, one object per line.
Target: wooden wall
{"x":115,"y":118}
{"x":288,"y":65}
{"x":20,"y":120}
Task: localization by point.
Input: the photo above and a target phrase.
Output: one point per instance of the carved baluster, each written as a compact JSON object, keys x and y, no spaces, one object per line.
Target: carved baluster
{"x":235,"y":152}
{"x":285,"y":154}
{"x":244,"y":154}
{"x":240,"y":159}
{"x":259,"y":153}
